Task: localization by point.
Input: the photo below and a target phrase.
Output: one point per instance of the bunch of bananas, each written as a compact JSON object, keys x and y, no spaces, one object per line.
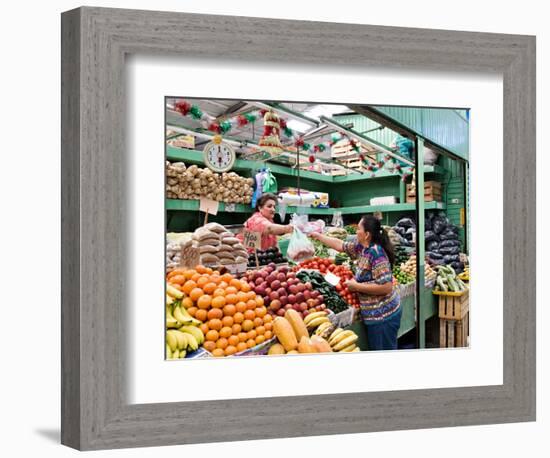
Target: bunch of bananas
{"x":343,"y":340}
{"x":465,"y":275}
{"x":182,"y":330}
{"x":315,"y":319}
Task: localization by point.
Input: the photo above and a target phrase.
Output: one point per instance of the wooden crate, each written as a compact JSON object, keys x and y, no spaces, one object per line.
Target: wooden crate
{"x":453,"y":306}
{"x":432,"y":192}
{"x":454,"y":333}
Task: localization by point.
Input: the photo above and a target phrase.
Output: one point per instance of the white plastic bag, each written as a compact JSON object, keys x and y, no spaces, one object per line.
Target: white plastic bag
{"x":300,"y":247}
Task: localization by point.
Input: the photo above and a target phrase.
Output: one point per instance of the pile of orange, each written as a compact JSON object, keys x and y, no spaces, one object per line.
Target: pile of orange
{"x":234,"y":317}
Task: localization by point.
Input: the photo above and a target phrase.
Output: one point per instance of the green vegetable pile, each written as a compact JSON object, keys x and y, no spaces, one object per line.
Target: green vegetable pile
{"x":341,"y":258}
{"x":402,"y":277}
{"x":320,"y":249}
{"x":401,"y":255}
{"x":447,"y":280}
{"x":350,"y":229}
{"x":331,"y":298}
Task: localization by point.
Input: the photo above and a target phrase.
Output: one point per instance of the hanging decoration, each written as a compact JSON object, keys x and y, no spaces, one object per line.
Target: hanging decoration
{"x":270,"y":140}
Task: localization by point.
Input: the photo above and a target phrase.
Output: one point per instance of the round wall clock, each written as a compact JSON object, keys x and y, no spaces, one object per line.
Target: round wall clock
{"x":219,"y":156}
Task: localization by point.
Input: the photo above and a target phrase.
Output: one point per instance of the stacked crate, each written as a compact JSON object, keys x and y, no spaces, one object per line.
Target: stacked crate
{"x":432,"y":192}
{"x":453,"y":318}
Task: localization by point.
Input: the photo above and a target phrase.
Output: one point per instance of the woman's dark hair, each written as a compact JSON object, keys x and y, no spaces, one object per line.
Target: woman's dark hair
{"x":264,"y":198}
{"x":379,"y":235}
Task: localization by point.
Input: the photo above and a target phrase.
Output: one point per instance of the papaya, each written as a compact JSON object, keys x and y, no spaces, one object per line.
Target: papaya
{"x":297,"y":323}
{"x":284,"y":333}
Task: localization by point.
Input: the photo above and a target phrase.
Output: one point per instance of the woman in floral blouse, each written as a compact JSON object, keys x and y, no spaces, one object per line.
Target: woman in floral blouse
{"x":380,"y":301}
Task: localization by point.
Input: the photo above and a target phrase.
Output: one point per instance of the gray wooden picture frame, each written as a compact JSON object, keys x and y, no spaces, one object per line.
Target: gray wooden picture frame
{"x":95,"y":412}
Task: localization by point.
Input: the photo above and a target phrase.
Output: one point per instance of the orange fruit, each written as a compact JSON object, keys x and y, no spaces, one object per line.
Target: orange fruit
{"x":229,"y":310}
{"x":212,"y":336}
{"x":260,"y":330}
{"x":204,"y":328}
{"x":242,"y":336}
{"x":230,"y":350}
{"x":236,"y":283}
{"x":215,"y":324}
{"x":231,"y":298}
{"x":250,"y":343}
{"x":215,"y":279}
{"x":174,"y":273}
{"x":236,"y":328}
{"x":251,"y":304}
{"x":268,"y":318}
{"x":240,"y":306}
{"x":268,"y":325}
{"x":192,"y":310}
{"x":233,"y":340}
{"x":189,"y":273}
{"x":209,"y":346}
{"x":203,"y":280}
{"x":201,"y":315}
{"x":216,"y":272}
{"x":208,"y":270}
{"x":177,"y":280}
{"x":217,"y":352}
{"x":259,"y":300}
{"x":222,"y":284}
{"x":188,"y":286}
{"x":200,"y":269}
{"x":231,"y":290}
{"x":268,"y":335}
{"x":247,"y":325}
{"x":195,"y":294}
{"x":238,"y":318}
{"x":226,"y":332}
{"x":227,"y":321}
{"x":204,"y":301}
{"x":187,"y":303}
{"x":215,"y":313}
{"x":227,"y":278}
{"x":218,"y":302}
{"x":260,"y":339}
{"x":242,"y":297}
{"x":249,"y":315}
{"x":252,"y":334}
{"x":241,"y":346}
{"x":245,"y":287}
{"x":209,"y":288}
{"x":260,"y":311}
{"x":219,"y":292}
{"x":258,"y":321}
{"x":251,"y":295}
{"x":222,"y":343}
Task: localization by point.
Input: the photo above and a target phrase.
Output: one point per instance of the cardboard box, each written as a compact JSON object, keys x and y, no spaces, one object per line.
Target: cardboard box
{"x":321,"y":200}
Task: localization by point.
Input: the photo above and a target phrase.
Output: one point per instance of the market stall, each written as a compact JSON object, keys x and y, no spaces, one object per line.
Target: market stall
{"x":220,"y":157}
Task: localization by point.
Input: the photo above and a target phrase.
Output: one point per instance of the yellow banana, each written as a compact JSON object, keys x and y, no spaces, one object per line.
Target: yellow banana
{"x":183,"y":354}
{"x":192,"y":343}
{"x":312,"y":316}
{"x":195,"y":332}
{"x":334,"y":334}
{"x":317,"y":321}
{"x":322,"y":327}
{"x":341,"y":336}
{"x":345,"y":342}
{"x":171,"y":322}
{"x":172,"y":341}
{"x":181,"y":338}
{"x":176,"y":354}
{"x":168,"y":352}
{"x":169,"y":300}
{"x":173,"y":291}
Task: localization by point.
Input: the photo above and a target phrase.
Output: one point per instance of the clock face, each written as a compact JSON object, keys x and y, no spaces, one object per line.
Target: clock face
{"x":219,"y":158}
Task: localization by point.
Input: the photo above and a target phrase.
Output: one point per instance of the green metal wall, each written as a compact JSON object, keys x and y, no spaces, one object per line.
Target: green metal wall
{"x":362,"y":124}
{"x":453,"y":189}
{"x":446,"y":127}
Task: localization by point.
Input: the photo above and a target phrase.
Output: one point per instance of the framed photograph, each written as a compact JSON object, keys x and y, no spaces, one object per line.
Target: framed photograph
{"x":242,"y":228}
